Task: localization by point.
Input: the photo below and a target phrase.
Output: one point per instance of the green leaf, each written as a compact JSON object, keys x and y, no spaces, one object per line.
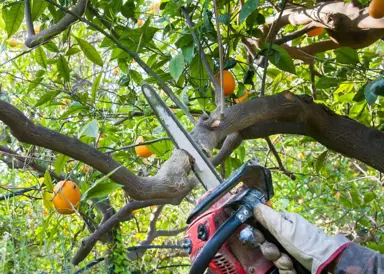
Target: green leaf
{"x":225,"y":19}
{"x":368,"y":197}
{"x":100,"y":189}
{"x":188,"y":53}
{"x":38,"y":8}
{"x":249,"y":7}
{"x":282,"y":59}
{"x":327,"y":82}
{"x":95,"y":87}
{"x":48,"y":181}
{"x":41,"y":57}
{"x":346,"y":55}
{"x":13,"y":17}
{"x":321,"y":160}
{"x":47,"y":97}
{"x":72,"y":110}
{"x":35,"y":83}
{"x":374,"y":89}
{"x":47,"y":200}
{"x":60,"y":163}
{"x":136,"y":76}
{"x":198,"y":74}
{"x":90,"y":52}
{"x":176,"y":66}
{"x":160,"y":148}
{"x":230,"y":63}
{"x":91,"y":129}
{"x":51,"y":46}
{"x":63,"y":68}
{"x":72,"y":51}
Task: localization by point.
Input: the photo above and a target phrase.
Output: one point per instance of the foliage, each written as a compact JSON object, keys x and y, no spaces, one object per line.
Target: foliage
{"x":82,"y":84}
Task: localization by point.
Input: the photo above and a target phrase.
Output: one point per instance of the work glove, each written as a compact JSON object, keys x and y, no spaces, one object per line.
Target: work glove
{"x":305,"y":242}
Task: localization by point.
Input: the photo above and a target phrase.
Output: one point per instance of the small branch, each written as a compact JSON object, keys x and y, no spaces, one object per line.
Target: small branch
{"x":220,"y":45}
{"x":294,"y":34}
{"x":313,"y":85}
{"x":280,"y":163}
{"x":139,"y":144}
{"x":28,"y":17}
{"x":54,"y":30}
{"x":202,"y":55}
{"x":122,"y":215}
{"x":153,"y":233}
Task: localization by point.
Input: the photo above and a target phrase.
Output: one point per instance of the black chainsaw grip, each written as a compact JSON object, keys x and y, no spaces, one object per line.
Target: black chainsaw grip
{"x":208,"y":252}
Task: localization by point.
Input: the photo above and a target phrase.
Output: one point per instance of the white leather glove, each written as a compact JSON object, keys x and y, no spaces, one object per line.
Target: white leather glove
{"x":305,"y":242}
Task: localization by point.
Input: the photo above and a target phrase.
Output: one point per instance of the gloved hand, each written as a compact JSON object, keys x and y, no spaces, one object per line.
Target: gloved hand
{"x":307,"y":243}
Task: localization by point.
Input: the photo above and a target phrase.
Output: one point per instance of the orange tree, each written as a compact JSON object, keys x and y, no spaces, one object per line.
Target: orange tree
{"x":71,"y":109}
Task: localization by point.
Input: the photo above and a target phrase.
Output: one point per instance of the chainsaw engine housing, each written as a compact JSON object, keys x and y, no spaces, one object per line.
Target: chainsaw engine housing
{"x":234,"y":257}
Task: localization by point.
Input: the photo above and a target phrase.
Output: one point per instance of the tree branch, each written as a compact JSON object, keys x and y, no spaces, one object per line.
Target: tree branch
{"x":47,"y":34}
{"x":336,"y":132}
{"x":122,"y":215}
{"x":170,"y":182}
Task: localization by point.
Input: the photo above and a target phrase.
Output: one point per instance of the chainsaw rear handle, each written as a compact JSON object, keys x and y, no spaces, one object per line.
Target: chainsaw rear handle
{"x":225,"y":231}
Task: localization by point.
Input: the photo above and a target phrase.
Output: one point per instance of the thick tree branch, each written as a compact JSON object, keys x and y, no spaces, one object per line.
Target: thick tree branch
{"x":170,"y":182}
{"x":63,"y":24}
{"x":336,"y":132}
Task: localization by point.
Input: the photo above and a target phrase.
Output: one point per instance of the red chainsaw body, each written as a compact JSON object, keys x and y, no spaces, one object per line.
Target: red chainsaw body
{"x":233,"y":257}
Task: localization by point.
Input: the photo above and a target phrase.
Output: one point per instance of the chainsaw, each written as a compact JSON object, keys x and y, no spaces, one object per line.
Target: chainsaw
{"x":220,"y":235}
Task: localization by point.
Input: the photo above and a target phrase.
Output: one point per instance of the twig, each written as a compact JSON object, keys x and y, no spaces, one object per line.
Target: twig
{"x":262,"y":91}
{"x":202,"y":55}
{"x":220,"y":45}
{"x":280,"y":163}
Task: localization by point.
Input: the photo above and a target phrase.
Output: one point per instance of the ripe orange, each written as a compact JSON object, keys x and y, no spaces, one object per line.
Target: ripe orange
{"x":142,"y":151}
{"x":242,"y":98}
{"x":376,"y":9}
{"x":229,"y":82}
{"x":85,"y":168}
{"x":269,"y":203}
{"x":155,"y":7}
{"x":139,"y":22}
{"x":37,"y":29}
{"x":315,"y":32}
{"x":66,"y":197}
{"x":12,"y":43}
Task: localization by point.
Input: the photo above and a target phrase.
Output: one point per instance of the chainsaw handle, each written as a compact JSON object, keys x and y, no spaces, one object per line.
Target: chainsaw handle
{"x":225,"y":231}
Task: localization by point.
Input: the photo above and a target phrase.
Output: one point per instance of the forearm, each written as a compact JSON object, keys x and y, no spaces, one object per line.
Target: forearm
{"x":358,"y":259}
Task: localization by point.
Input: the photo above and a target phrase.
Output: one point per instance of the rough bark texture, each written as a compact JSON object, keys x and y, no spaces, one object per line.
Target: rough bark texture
{"x":174,"y":171}
{"x":287,"y":113}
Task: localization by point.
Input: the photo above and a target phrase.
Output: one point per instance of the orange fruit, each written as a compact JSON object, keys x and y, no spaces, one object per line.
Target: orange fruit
{"x":12,"y":43}
{"x":37,"y":29}
{"x":142,"y":151}
{"x":85,"y":168}
{"x":155,"y":7}
{"x":66,"y":197}
{"x":242,"y":98}
{"x":376,"y":9}
{"x":139,"y":22}
{"x":229,"y":82}
{"x":116,"y":71}
{"x":315,"y":32}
